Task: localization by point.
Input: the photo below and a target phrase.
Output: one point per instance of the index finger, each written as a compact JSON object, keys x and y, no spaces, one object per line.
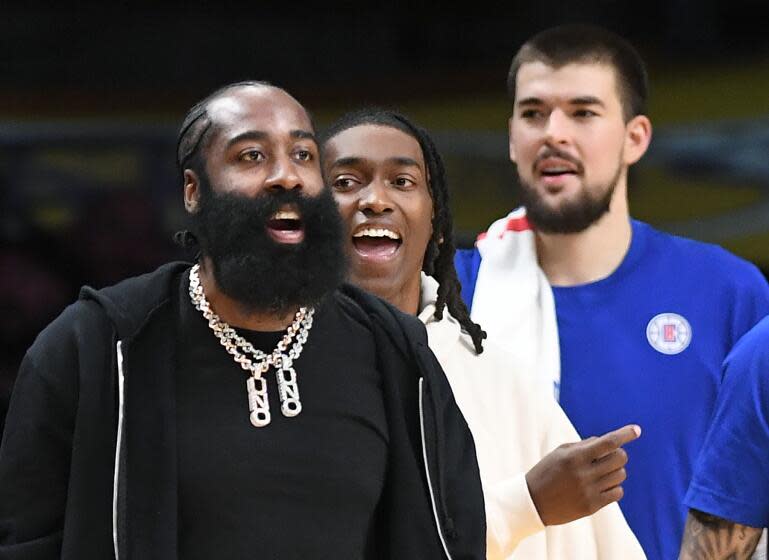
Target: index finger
{"x":613,"y":440}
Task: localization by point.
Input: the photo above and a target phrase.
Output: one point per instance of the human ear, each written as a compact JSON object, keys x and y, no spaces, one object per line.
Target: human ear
{"x":638,"y":134}
{"x":191,"y":191}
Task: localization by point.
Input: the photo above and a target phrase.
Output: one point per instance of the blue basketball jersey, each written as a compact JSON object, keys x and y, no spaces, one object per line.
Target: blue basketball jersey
{"x":645,"y":346}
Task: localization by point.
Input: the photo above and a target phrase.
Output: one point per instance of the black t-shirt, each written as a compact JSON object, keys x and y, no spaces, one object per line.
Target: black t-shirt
{"x":298,"y":488}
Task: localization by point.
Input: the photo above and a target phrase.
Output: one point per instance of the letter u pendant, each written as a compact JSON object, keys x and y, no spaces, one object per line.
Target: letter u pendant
{"x":290,"y":405}
{"x":258,"y":403}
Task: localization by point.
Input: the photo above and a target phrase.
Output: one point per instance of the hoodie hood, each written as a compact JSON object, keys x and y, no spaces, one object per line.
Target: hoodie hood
{"x":130,"y":302}
{"x":444,"y":332}
{"x":428,"y":296}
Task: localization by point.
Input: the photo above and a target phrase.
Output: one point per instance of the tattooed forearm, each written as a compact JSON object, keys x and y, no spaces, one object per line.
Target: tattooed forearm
{"x":707,"y":537}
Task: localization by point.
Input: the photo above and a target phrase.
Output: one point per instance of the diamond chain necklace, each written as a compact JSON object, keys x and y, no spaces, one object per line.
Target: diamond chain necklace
{"x":257,"y":362}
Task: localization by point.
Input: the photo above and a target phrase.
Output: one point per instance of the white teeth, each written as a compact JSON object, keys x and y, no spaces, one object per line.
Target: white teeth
{"x":377,"y":232}
{"x":285,"y":215}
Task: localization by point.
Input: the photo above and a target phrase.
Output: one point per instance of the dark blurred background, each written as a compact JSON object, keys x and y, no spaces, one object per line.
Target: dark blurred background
{"x":90,"y":100}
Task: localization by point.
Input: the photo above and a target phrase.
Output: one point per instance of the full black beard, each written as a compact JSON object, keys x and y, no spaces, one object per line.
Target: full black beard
{"x":572,"y":216}
{"x":258,"y":272}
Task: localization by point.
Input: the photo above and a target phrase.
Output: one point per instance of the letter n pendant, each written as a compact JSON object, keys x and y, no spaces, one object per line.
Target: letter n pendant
{"x":258,"y":403}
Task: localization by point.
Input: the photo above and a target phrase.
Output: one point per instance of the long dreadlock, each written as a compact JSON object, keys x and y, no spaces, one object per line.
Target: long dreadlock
{"x":438,"y":261}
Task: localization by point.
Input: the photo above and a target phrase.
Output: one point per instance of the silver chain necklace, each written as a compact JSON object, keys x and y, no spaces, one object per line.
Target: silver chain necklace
{"x":257,"y":362}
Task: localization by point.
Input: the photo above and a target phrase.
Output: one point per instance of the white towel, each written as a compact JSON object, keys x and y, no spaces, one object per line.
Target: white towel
{"x":513,"y":300}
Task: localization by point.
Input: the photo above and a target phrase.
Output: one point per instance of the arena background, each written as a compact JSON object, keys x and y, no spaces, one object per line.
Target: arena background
{"x":90,"y":100}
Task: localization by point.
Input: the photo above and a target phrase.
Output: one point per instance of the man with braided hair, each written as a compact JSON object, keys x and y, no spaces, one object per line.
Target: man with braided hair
{"x":246,"y":406}
{"x":390,"y":184}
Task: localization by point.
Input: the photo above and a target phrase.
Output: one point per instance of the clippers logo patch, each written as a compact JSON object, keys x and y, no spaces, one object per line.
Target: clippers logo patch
{"x":669,"y":333}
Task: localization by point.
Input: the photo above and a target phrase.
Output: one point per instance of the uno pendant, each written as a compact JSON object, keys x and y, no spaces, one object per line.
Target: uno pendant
{"x":290,"y":405}
{"x":258,"y":403}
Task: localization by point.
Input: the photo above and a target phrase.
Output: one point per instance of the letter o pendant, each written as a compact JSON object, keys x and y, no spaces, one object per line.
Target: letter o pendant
{"x":260,"y":418}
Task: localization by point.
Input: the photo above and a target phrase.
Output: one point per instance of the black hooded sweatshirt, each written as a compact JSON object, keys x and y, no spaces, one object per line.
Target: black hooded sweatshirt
{"x":88,"y":465}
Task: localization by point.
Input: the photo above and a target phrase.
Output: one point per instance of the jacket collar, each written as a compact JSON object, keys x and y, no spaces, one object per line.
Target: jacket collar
{"x":427,"y":298}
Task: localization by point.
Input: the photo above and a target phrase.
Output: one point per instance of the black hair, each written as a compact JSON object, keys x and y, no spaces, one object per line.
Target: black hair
{"x":575,"y":43}
{"x":439,"y":256}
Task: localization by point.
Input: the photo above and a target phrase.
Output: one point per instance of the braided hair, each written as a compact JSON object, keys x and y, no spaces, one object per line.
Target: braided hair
{"x":438,"y":260}
{"x":196,"y":127}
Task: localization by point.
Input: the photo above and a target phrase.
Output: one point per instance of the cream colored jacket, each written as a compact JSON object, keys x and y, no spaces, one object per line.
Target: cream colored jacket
{"x":515,"y":423}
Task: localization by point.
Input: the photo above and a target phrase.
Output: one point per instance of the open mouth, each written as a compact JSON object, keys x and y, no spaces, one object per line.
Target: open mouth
{"x":555,"y":173}
{"x":377,"y":244}
{"x":553,"y":169}
{"x":286,"y":226}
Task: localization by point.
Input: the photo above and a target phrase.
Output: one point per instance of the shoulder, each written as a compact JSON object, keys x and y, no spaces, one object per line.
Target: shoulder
{"x":98,"y":317}
{"x":53,"y":362}
{"x":495,"y":368}
{"x":705,"y":262}
{"x":745,"y":382}
{"x":700,"y":254}
{"x":752,"y":351}
{"x":78,"y":322}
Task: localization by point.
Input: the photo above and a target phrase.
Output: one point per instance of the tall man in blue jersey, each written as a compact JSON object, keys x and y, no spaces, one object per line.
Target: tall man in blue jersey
{"x":642,"y":319}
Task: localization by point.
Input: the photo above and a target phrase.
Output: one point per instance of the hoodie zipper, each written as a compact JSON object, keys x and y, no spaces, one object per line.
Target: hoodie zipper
{"x":121,"y":401}
{"x":427,"y":468}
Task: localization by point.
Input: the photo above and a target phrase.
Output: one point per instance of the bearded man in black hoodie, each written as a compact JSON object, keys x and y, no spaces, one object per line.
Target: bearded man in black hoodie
{"x":246,"y":406}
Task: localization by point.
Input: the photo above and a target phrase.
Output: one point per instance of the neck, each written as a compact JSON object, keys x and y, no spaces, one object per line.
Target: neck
{"x":404,"y":297}
{"x":233,"y":312}
{"x":590,"y":255}
{"x":407,"y":299}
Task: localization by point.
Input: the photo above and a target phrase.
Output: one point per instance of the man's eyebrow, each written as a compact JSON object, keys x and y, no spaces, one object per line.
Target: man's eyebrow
{"x":355,"y":160}
{"x":586,"y":100}
{"x":529,"y":101}
{"x":347,"y":161}
{"x":262,"y":135}
{"x":303,"y":134}
{"x":248,"y":135}
{"x":400,"y":160}
{"x":579,"y":100}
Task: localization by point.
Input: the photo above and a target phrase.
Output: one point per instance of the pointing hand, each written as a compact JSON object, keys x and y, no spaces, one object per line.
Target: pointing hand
{"x":577,"y":479}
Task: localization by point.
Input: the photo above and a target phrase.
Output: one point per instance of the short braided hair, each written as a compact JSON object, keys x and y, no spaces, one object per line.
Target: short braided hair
{"x":196,"y":128}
